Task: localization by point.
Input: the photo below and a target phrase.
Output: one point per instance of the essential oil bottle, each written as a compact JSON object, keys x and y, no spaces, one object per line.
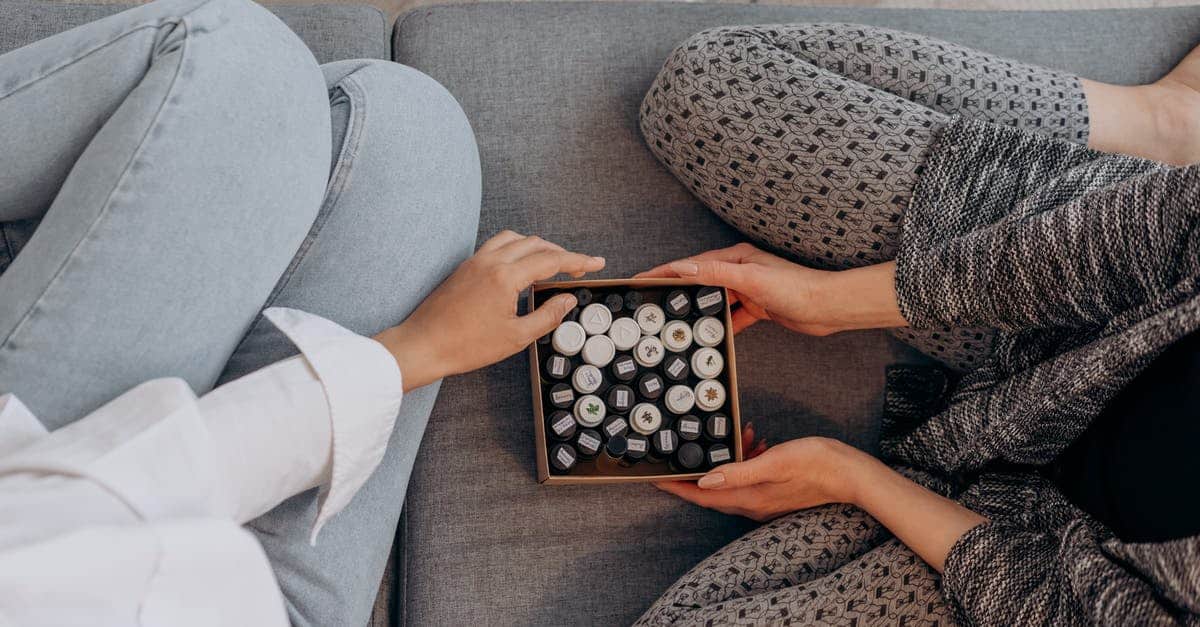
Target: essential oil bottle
{"x":614,"y":426}
{"x":563,"y":457}
{"x":561,"y":425}
{"x":689,"y":427}
{"x":689,"y":457}
{"x":718,"y":454}
{"x":678,"y":304}
{"x":588,"y":443}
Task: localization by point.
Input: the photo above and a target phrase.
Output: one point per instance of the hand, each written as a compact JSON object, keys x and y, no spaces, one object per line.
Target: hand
{"x":782,"y":479}
{"x":470,"y":320}
{"x":810,"y":301}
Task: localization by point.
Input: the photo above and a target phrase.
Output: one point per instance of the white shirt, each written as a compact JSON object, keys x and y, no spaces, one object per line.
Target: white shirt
{"x":132,"y":515}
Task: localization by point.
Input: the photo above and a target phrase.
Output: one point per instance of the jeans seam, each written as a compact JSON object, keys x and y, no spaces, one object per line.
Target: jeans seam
{"x":108,"y":201}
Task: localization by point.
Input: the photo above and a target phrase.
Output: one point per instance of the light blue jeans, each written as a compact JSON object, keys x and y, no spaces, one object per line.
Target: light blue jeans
{"x":173,"y":164}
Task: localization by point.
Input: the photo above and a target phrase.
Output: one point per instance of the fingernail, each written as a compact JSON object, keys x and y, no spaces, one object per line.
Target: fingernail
{"x":569,"y":301}
{"x":749,"y":425}
{"x":599,"y":259}
{"x":685,"y":268}
{"x":712,"y":480}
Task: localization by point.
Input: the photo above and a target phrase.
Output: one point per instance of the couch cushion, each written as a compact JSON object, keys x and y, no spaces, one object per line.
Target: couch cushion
{"x":553,"y":91}
{"x":332,"y":32}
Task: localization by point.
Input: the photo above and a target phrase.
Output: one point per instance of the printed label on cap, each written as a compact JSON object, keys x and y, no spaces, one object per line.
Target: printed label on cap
{"x":709,"y":300}
{"x":615,"y":427}
{"x":637,"y":445}
{"x":652,"y":385}
{"x":719,"y":427}
{"x":719,"y":455}
{"x":562,"y":396}
{"x":623,"y":397}
{"x":589,"y":378}
{"x":626,"y":367}
{"x":689,"y":426}
{"x":565,"y":457}
{"x":558,"y":366}
{"x":563,"y":424}
{"x":586,"y":440}
{"x":679,"y":302}
{"x":676,"y":367}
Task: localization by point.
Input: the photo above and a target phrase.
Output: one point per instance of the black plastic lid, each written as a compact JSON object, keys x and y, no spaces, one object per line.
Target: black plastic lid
{"x":676,"y":368}
{"x":589,"y":442}
{"x":563,"y":457}
{"x":584,"y":296}
{"x":561,"y":387}
{"x":614,"y":302}
{"x":719,"y":454}
{"x":638,"y":445}
{"x":616,"y":446}
{"x":677,"y":307}
{"x":708,"y":295}
{"x":554,"y":359}
{"x":690,"y":456}
{"x":689,"y":427}
{"x":573,"y":315}
{"x":717,"y":427}
{"x":618,"y":392}
{"x":633,"y":300}
{"x":545,"y":339}
{"x":665,"y":441}
{"x":561,"y":425}
{"x":621,"y":372}
{"x":647,"y":389}
{"x":614,"y":425}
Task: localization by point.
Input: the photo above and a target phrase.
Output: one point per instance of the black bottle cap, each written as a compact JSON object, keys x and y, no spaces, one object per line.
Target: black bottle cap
{"x":614,"y":302}
{"x":624,"y":368}
{"x":573,"y":315}
{"x":689,"y":427}
{"x":690,"y":456}
{"x":588,"y":442}
{"x":620,"y":398}
{"x":562,"y":395}
{"x":563,"y":457}
{"x":710,"y":300}
{"x":561,"y":425}
{"x":650,"y":386}
{"x":633,"y":300}
{"x":664,"y":441}
{"x":678,"y":304}
{"x":615,"y":426}
{"x":545,"y":339}
{"x":676,"y":368}
{"x":717,"y":427}
{"x":638,"y":446}
{"x":719,"y":454}
{"x":557,"y":366}
{"x":584,"y":297}
{"x":616,"y":446}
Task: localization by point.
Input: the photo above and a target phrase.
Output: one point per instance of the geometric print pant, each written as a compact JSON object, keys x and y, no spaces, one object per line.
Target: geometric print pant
{"x":810,"y":138}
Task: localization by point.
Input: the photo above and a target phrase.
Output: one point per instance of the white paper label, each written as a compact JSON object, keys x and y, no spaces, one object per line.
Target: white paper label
{"x":676,"y":367}
{"x":615,"y":427}
{"x":558,"y":366}
{"x":719,"y":428}
{"x":652,"y":386}
{"x":622,"y":397}
{"x":689,"y":426}
{"x":562,"y":396}
{"x":588,"y":441}
{"x":720,"y":455}
{"x":564,"y":457}
{"x":590,"y":378}
{"x":626,"y":367}
{"x":679,"y":302}
{"x":638,"y":445}
{"x":563,"y":424}
{"x":709,"y":299}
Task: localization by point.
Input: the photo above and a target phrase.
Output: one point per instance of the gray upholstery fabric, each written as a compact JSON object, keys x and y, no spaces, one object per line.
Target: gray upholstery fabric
{"x":332,"y":32}
{"x":552,"y":91}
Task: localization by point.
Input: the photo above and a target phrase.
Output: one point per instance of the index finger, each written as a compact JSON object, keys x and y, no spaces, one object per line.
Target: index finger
{"x":735,"y":254}
{"x":546,"y":264}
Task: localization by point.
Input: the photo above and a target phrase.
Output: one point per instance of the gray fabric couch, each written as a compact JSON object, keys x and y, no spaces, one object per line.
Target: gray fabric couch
{"x":552,"y":90}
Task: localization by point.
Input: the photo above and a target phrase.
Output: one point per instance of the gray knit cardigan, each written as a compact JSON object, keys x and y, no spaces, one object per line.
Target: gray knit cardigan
{"x":1088,"y":265}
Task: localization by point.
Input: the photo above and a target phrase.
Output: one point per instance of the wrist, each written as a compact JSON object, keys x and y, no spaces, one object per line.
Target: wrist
{"x":852,"y":471}
{"x":859,"y":298}
{"x":416,"y":357}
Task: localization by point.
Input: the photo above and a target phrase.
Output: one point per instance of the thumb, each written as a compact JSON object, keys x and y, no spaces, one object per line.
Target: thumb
{"x":738,"y":475}
{"x":735,"y":276}
{"x":542,"y":320}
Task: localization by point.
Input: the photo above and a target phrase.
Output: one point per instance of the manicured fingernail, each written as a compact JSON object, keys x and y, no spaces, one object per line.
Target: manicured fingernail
{"x":599,"y":259}
{"x":712,"y":480}
{"x":685,"y":268}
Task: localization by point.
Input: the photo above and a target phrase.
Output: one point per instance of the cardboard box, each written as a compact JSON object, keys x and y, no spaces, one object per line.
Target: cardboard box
{"x":602,"y":469}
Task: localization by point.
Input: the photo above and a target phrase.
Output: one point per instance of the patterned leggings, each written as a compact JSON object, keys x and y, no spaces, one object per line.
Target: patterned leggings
{"x":809,"y":139}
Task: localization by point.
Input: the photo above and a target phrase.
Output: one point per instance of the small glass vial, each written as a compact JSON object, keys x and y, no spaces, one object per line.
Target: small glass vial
{"x":598,"y":351}
{"x":664,"y":443}
{"x":614,"y":425}
{"x":557,"y":366}
{"x":588,"y":443}
{"x":680,"y":399}
{"x":620,"y":398}
{"x":633,"y":300}
{"x":710,"y":395}
{"x":589,"y":410}
{"x":614,"y":302}
{"x":569,"y":338}
{"x":689,"y":427}
{"x":638,"y":445}
{"x":677,"y":336}
{"x":563,"y":457}
{"x":707,"y":363}
{"x":645,"y":418}
{"x":675,"y":367}
{"x":595,"y":319}
{"x":624,"y":333}
{"x":678,"y":304}
{"x":561,"y":395}
{"x":708,"y":331}
{"x":561,"y":425}
{"x":710,"y":300}
{"x":650,"y":386}
{"x":650,"y":318}
{"x":649,"y":351}
{"x":587,"y":379}
{"x":689,"y":457}
{"x":719,"y":454}
{"x":624,"y":368}
{"x":583,"y":296}
{"x":716,"y":427}
{"x":616,"y":447}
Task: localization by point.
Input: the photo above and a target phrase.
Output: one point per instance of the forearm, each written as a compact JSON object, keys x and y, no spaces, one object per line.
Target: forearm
{"x":926,"y":522}
{"x":859,"y":298}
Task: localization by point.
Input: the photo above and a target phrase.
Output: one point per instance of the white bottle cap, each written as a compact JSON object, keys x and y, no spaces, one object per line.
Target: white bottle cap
{"x":707,"y":363}
{"x":587,"y":379}
{"x":568,"y":338}
{"x":624,"y":333}
{"x":650,"y":318}
{"x":710,"y":395}
{"x":599,"y":350}
{"x":680,"y":399}
{"x":677,"y":336}
{"x":645,"y":418}
{"x":595,"y":318}
{"x":589,"y":410}
{"x":649,"y":352}
{"x":708,"y":331}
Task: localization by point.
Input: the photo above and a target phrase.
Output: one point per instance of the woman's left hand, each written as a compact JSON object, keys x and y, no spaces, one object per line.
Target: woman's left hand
{"x":782,"y":479}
